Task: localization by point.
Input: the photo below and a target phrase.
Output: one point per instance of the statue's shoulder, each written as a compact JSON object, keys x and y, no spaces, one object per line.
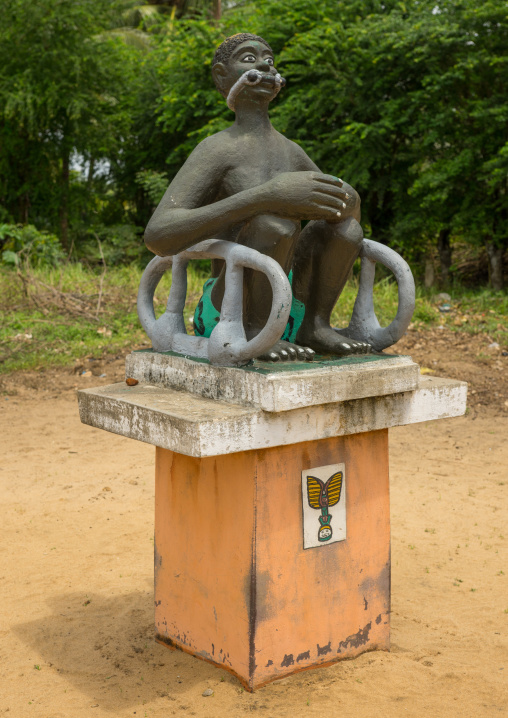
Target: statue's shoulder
{"x":298,"y":156}
{"x":217,"y":141}
{"x":301,"y":157}
{"x":213,"y":146}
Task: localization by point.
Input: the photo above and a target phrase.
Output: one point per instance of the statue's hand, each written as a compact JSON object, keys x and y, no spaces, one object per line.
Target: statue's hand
{"x":307,"y":195}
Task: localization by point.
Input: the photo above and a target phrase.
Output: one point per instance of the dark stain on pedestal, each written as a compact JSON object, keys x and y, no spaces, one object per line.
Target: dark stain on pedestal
{"x":303,"y":657}
{"x":323,"y":650}
{"x":168,"y":641}
{"x":378,"y":619}
{"x":157,"y":558}
{"x":251,"y":602}
{"x":288,"y":660}
{"x":379,"y":583}
{"x":264,"y":609}
{"x":225,"y":657}
{"x":357,"y":639}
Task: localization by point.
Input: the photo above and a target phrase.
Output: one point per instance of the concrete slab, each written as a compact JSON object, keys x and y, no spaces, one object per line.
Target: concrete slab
{"x":197,"y":426}
{"x":278,"y":387}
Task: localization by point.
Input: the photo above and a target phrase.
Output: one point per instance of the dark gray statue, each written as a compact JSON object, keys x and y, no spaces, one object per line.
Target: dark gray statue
{"x":251,"y":186}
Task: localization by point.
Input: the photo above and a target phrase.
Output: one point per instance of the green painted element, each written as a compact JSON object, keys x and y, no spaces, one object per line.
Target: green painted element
{"x":296,"y":316}
{"x":206,"y":316}
{"x":263,"y":367}
{"x":267,"y":367}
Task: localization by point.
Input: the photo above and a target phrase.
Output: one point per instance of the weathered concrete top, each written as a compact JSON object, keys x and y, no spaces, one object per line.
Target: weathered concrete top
{"x":197,"y":426}
{"x":278,"y":387}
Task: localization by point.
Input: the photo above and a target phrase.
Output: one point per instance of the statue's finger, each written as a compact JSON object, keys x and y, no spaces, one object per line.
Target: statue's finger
{"x":328,"y":198}
{"x":331,"y":209}
{"x":331,"y":189}
{"x":331,"y":179}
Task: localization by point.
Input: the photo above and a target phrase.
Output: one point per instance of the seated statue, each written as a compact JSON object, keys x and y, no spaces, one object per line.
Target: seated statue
{"x":251,"y":185}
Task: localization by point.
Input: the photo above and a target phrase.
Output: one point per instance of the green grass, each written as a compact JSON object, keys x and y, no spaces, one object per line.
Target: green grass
{"x":471,"y":311}
{"x":52,"y":317}
{"x":40,"y":328}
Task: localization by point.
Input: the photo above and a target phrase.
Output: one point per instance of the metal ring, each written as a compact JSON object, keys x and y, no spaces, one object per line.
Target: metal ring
{"x":364,"y":324}
{"x":227,"y":345}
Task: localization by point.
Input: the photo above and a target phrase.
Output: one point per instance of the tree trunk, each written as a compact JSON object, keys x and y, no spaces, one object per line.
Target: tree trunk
{"x":217,"y":9}
{"x":64,"y":200}
{"x":24,"y":204}
{"x":429,"y":273}
{"x":495,"y":256}
{"x":445,"y":256}
{"x":91,"y":169}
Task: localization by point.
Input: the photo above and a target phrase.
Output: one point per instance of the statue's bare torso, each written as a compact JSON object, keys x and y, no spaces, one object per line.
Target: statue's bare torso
{"x":250,"y":184}
{"x":245,"y":167}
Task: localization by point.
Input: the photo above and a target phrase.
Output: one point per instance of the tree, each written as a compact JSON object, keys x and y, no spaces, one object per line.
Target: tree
{"x":405,"y":100}
{"x":63,"y":92}
{"x":410,"y":99}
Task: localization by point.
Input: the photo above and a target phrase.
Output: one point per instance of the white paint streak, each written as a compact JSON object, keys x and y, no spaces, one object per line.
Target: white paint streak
{"x":277,"y":391}
{"x":195,"y":426}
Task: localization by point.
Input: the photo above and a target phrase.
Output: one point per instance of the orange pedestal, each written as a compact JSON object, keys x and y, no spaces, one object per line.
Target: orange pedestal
{"x":233,"y":582}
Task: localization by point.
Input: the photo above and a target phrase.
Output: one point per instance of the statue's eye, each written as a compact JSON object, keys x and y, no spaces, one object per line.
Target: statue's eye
{"x":269,"y":60}
{"x":249,"y":58}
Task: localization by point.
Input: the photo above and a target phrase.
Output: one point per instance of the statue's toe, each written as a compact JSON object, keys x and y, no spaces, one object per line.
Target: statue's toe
{"x":286,"y":352}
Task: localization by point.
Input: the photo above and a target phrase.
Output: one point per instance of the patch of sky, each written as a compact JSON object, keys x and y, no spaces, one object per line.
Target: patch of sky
{"x":81,"y":165}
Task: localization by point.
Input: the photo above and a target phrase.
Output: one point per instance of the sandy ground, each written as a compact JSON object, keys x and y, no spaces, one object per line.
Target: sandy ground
{"x":76,"y":569}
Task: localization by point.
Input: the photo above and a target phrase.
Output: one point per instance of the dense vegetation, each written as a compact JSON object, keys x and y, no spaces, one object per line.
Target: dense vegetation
{"x":59,"y":316}
{"x":102,"y":100}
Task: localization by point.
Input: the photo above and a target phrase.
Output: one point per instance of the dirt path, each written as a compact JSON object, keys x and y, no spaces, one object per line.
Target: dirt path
{"x":76,"y":575}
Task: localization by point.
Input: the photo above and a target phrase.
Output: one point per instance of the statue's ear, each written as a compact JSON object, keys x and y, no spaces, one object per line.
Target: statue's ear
{"x":219,"y":74}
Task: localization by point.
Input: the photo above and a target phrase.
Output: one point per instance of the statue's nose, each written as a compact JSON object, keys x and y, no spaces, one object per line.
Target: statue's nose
{"x":263,"y":66}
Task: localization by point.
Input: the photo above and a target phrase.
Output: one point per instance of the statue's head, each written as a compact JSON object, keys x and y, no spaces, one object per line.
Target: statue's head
{"x":239,"y":54}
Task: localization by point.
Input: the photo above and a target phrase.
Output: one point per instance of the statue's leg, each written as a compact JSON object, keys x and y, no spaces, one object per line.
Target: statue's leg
{"x":277,"y":238}
{"x":324,"y":256}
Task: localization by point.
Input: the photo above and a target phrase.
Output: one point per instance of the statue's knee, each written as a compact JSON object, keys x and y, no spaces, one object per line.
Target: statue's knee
{"x":350,"y":230}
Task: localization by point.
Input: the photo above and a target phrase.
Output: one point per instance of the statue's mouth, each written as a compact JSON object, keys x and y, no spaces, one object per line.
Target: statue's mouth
{"x":268,"y":79}
{"x":255,"y":77}
{"x":252,"y":78}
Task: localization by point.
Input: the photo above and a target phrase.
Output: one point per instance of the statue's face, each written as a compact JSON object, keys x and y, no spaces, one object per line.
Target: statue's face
{"x":250,"y":55}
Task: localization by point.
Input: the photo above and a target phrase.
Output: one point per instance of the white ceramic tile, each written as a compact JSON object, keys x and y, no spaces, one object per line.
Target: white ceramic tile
{"x":324,"y":505}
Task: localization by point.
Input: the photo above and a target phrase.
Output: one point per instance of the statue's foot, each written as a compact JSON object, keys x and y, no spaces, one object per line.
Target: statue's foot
{"x":325,"y":340}
{"x":285,"y":351}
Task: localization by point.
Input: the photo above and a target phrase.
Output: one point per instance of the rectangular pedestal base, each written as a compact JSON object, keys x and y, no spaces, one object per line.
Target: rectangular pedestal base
{"x":234,"y":584}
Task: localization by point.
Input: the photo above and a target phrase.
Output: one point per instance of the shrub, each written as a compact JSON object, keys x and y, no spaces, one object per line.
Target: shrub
{"x":26,"y":243}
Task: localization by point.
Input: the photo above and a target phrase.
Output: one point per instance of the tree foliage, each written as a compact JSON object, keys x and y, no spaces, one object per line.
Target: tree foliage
{"x":406,"y":100}
{"x":65,"y":93}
